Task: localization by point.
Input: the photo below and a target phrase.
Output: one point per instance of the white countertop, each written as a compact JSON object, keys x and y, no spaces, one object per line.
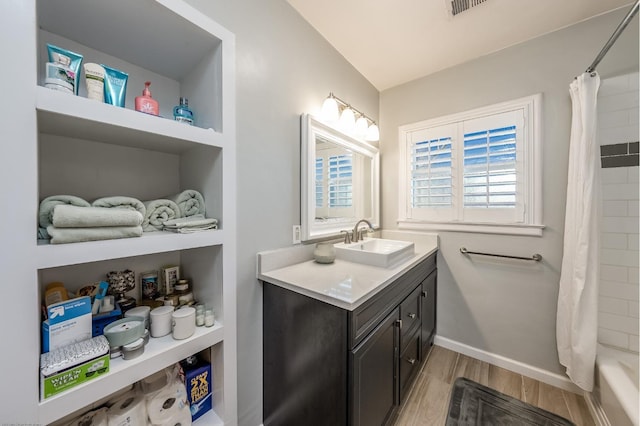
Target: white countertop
{"x":341,"y":283}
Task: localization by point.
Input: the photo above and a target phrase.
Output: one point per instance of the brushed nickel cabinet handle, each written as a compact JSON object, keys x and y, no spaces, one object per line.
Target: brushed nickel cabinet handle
{"x":411,"y":361}
{"x":411,"y":315}
{"x":424,"y":293}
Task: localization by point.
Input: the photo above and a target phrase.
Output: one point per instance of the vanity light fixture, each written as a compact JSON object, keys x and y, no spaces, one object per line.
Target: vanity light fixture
{"x":335,"y":111}
{"x":347,"y":121}
{"x":330,"y":112}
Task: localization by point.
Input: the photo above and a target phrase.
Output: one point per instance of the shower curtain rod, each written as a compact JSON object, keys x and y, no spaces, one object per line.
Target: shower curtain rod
{"x":614,"y":37}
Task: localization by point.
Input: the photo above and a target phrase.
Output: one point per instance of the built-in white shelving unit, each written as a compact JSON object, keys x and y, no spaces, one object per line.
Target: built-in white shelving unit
{"x":65,"y":144}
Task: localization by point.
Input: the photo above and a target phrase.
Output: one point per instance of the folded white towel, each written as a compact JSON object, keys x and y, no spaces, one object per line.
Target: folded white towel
{"x":120,"y":202}
{"x":66,"y":216}
{"x":77,"y":235}
{"x":189,"y":222}
{"x":190,"y":202}
{"x":158,"y":212}
{"x":45,"y":214}
{"x":187,"y":225}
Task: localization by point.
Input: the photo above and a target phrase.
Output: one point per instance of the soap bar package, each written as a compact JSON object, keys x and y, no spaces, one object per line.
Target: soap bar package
{"x":198,"y":381}
{"x":68,"y":322}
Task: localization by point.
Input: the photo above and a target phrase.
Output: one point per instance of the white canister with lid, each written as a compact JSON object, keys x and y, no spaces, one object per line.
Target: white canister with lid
{"x":141,"y":312}
{"x":161,"y":321}
{"x":184,"y":323}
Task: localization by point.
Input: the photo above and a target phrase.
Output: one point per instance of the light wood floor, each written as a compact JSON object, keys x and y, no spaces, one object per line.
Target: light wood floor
{"x":428,"y":400}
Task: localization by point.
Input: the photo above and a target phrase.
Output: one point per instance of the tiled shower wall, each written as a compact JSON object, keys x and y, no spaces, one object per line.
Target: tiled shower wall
{"x":618,"y":136}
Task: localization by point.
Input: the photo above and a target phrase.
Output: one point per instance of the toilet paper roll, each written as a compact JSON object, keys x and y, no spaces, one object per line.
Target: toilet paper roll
{"x":92,"y":418}
{"x":167,"y":403}
{"x":130,"y":410}
{"x":181,"y":418}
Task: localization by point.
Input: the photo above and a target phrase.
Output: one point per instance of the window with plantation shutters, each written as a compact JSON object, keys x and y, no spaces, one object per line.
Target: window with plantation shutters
{"x":476,"y":171}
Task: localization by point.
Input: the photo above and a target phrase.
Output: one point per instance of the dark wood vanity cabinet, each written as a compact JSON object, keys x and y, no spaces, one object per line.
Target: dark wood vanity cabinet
{"x":324,"y":365}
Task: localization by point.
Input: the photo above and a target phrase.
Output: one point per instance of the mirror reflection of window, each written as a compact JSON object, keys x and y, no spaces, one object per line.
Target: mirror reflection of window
{"x":334,"y":182}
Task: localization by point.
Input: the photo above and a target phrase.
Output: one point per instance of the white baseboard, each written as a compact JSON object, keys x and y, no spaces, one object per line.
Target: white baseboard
{"x":548,"y":377}
{"x":596,"y":410}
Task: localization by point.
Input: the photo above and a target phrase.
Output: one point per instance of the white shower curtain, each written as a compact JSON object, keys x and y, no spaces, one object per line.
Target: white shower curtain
{"x":577,"y":317}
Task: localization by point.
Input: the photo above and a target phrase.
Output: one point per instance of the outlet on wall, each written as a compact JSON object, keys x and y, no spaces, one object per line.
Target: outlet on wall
{"x":296,"y":234}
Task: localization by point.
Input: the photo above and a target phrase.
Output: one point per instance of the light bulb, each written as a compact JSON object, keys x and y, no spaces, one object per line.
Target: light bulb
{"x":330,"y":111}
{"x":347,"y":120}
{"x":361,"y":127}
{"x":373,"y":134}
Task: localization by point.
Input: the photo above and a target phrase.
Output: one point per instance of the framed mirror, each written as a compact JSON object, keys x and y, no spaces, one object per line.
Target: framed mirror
{"x":339,"y":180}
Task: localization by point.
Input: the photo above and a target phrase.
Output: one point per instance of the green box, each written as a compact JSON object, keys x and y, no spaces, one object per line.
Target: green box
{"x":60,"y":382}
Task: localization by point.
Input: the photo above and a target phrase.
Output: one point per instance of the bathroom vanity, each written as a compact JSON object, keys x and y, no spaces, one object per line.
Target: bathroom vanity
{"x":343,"y":342}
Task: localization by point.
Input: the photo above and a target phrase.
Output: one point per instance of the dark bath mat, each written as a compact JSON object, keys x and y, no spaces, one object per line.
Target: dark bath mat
{"x":473,"y":404}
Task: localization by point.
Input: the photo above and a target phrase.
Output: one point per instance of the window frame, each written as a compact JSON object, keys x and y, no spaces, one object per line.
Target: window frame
{"x":531,"y":190}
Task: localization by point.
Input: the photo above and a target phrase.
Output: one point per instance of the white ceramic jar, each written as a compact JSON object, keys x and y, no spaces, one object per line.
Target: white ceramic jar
{"x":184,"y":323}
{"x":161,"y":321}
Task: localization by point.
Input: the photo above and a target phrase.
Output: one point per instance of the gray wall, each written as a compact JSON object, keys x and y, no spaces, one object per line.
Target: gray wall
{"x":506,"y":307}
{"x":284,"y":68}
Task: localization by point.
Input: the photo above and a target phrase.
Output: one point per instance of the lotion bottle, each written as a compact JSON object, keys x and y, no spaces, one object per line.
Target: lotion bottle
{"x":146,"y":103}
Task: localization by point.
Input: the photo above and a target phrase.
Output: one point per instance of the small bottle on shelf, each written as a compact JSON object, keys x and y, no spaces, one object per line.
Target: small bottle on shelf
{"x":146,"y":103}
{"x":182,"y":113}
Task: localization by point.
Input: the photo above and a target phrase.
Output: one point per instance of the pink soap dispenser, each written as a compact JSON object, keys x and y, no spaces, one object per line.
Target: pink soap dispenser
{"x":146,"y":103}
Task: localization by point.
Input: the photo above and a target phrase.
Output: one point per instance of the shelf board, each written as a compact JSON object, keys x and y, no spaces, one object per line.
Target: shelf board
{"x":56,"y":255}
{"x":158,"y":353}
{"x":77,"y":117}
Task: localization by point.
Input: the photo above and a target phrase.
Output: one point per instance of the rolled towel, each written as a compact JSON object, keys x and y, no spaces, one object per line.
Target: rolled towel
{"x":158,"y":212}
{"x":78,"y":235}
{"x":45,"y":214}
{"x":121,"y":202}
{"x":190,"y":202}
{"x":186,"y":225}
{"x":66,"y":216}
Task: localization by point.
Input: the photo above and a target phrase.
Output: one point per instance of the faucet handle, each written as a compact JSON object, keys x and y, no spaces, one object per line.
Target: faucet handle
{"x":347,"y":237}
{"x":363,"y":231}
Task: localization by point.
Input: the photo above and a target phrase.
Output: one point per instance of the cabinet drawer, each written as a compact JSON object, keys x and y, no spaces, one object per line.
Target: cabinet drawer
{"x":366,"y":317}
{"x":410,"y":316}
{"x":409,"y":363}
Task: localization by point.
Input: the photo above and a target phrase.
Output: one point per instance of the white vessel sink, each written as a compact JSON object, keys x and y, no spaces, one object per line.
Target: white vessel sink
{"x":375,"y":252}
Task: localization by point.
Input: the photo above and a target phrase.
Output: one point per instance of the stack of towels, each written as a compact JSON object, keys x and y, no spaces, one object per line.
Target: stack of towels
{"x":183,"y":212}
{"x":70,"y":219}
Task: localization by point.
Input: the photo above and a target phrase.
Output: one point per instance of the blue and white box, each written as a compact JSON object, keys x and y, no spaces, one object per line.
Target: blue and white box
{"x":198,"y":382}
{"x":68,"y":322}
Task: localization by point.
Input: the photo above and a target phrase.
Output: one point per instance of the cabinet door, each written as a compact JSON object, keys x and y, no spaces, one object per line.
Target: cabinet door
{"x":429,"y":292}
{"x":374,"y":367}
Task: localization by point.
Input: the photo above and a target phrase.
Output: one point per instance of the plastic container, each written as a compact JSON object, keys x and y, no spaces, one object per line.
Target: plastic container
{"x":100,"y":321}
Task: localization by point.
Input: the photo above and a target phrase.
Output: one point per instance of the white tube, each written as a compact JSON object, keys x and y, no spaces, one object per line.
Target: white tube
{"x":94,"y":79}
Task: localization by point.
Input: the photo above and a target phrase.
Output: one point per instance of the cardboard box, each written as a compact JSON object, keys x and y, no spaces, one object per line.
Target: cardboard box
{"x":71,"y":377}
{"x":198,"y":381}
{"x":68,"y":322}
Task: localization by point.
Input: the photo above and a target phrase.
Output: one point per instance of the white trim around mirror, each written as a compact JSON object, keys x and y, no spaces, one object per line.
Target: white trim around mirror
{"x":311,"y":229}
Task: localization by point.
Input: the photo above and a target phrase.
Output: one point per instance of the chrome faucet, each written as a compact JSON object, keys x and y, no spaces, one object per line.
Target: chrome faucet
{"x":356,"y":233}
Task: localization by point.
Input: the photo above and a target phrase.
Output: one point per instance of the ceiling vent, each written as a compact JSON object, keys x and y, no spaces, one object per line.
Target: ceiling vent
{"x":459,"y":6}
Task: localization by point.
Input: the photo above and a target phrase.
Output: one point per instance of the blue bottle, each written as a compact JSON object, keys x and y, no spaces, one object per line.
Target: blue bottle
{"x":182,"y":113}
